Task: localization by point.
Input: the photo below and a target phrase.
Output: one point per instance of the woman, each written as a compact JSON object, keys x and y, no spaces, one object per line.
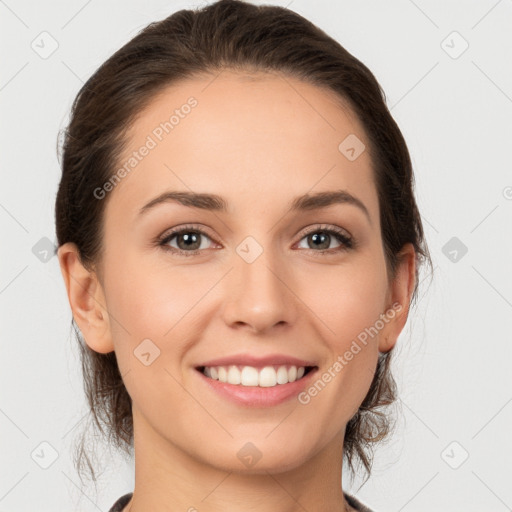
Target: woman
{"x":240,"y":244}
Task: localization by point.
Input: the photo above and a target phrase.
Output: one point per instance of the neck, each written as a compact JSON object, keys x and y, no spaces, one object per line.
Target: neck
{"x":168,"y":479}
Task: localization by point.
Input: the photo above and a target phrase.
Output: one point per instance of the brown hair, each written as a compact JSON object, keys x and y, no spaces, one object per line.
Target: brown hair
{"x":228,"y":34}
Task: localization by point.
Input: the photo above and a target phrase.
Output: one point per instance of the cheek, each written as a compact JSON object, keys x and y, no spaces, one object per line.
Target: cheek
{"x":346,"y":299}
{"x":147,"y":300}
{"x":148,"y":306}
{"x":348,"y":303}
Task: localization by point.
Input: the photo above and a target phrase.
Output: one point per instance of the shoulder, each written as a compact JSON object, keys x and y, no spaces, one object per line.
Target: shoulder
{"x":356,"y":504}
{"x":352,"y":501}
{"x":121,"y":503}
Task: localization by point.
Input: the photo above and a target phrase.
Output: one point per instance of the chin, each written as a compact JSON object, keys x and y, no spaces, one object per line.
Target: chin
{"x":258,"y":457}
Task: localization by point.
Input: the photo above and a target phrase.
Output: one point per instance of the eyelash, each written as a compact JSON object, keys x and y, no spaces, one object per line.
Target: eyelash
{"x":346,"y":241}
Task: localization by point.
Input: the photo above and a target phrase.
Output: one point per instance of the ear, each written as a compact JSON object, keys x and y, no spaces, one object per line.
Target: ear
{"x":86,"y":298}
{"x":399,"y":298}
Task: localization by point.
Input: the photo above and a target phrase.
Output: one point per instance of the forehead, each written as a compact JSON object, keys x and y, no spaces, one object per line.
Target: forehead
{"x":256,"y":135}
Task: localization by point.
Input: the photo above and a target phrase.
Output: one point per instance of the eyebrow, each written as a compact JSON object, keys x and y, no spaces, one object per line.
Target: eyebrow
{"x":217,"y":203}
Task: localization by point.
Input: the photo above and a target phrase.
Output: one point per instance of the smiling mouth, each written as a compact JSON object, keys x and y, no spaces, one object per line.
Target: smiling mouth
{"x":267,"y":376}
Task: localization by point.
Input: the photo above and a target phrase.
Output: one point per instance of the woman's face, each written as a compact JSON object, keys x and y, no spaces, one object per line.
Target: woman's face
{"x":257,"y":278}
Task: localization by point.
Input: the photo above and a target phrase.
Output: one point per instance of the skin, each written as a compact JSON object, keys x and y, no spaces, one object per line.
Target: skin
{"x":259,"y":140}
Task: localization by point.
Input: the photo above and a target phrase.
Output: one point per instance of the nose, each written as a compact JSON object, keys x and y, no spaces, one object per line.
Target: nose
{"x":259,"y":294}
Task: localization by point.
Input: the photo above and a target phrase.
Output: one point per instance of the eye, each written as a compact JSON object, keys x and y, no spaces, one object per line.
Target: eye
{"x":321,"y":238}
{"x":188,"y":240}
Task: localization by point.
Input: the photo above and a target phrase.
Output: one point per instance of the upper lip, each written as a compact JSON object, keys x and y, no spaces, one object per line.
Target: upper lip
{"x":249,"y":360}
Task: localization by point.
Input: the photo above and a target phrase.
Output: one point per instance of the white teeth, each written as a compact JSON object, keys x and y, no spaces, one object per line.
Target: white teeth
{"x":233,"y":375}
{"x":248,"y":377}
{"x":266,"y":377}
{"x":223,"y":374}
{"x":282,"y":375}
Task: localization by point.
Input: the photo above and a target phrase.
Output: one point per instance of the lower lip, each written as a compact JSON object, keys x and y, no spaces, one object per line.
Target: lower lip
{"x":255,"y":396}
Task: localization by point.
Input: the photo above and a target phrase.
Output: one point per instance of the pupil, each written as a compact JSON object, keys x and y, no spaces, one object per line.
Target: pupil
{"x":316,"y":238}
{"x":319,"y":239}
{"x":190,"y":239}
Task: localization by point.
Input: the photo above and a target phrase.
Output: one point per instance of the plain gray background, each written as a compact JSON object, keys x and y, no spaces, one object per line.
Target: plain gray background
{"x":452,"y":448}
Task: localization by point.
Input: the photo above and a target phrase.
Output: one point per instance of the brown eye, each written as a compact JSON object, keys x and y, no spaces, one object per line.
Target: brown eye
{"x":320,"y":240}
{"x":187,"y":241}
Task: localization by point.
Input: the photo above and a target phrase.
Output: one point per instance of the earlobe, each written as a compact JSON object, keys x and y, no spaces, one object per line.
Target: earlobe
{"x":400,"y":296}
{"x":86,"y":298}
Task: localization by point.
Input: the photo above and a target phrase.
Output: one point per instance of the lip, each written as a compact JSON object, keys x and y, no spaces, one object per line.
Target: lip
{"x":254,"y":396}
{"x":257,"y":362}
